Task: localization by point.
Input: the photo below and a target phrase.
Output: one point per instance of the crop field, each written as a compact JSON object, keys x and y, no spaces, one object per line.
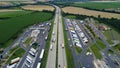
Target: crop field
{"x":8,"y":10}
{"x":5,"y":3}
{"x":11,"y":27}
{"x":38,"y":7}
{"x":82,"y":11}
{"x":98,"y":5}
{"x":13,"y":13}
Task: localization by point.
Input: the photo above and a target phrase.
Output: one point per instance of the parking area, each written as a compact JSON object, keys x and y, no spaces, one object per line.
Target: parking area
{"x":77,"y":37}
{"x":34,"y":53}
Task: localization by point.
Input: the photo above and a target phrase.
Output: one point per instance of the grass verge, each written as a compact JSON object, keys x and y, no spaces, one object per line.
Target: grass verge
{"x":57,"y":47}
{"x":117,"y":48}
{"x":96,"y":51}
{"x":69,"y":56}
{"x":28,"y":41}
{"x":101,"y":44}
{"x":19,"y":52}
{"x":80,"y":65}
{"x":78,"y":49}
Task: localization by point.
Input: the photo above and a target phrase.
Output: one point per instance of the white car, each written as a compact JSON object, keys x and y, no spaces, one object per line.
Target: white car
{"x":62,"y":45}
{"x":53,"y":32}
{"x":51,"y":47}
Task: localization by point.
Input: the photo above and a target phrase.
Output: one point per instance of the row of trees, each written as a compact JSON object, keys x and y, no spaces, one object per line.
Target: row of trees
{"x":113,"y":22}
{"x":64,"y":4}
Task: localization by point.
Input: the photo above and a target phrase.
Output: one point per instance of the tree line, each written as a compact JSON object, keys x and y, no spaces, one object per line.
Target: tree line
{"x":113,"y":22}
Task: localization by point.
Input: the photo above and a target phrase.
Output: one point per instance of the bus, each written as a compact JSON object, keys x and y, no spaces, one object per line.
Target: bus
{"x":42,"y":53}
{"x":38,"y":65}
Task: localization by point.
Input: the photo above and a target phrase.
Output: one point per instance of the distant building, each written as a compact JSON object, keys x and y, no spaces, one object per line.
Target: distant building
{"x":103,"y":27}
{"x":34,"y":34}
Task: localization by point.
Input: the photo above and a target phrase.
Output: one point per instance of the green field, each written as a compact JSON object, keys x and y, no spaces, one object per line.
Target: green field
{"x":78,"y":49}
{"x":96,"y":51}
{"x":18,"y":53}
{"x":117,"y":48}
{"x":11,"y":27}
{"x":98,"y":5}
{"x":28,"y":41}
{"x":13,"y":13}
{"x":112,"y":35}
{"x":101,"y":44}
{"x":71,"y":17}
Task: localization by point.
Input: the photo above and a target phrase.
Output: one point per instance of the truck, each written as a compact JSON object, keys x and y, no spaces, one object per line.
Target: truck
{"x":14,"y":60}
{"x":42,"y":53}
{"x":38,"y":65}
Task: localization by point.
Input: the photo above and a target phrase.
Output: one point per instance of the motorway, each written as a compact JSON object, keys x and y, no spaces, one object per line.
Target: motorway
{"x":51,"y":61}
{"x":61,"y":48}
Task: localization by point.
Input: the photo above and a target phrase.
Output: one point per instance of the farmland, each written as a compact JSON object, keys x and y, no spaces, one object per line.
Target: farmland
{"x":38,"y":7}
{"x":8,"y":10}
{"x":82,"y":11}
{"x":5,"y":3}
{"x":12,"y":13}
{"x":98,"y":5}
{"x":10,"y":27}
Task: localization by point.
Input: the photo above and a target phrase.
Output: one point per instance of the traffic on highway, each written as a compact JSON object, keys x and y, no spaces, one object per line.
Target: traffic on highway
{"x":45,"y":45}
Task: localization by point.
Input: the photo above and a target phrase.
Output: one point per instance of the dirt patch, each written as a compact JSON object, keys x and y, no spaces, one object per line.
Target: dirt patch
{"x":5,"y":4}
{"x":8,"y":10}
{"x":38,"y":7}
{"x":76,"y":10}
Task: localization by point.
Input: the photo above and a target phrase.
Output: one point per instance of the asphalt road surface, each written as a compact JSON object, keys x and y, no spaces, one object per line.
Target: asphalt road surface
{"x":51,"y":61}
{"x":61,"y":47}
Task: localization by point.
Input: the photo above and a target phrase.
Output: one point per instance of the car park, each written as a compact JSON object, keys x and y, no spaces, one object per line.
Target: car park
{"x":28,"y":66}
{"x":32,"y":53}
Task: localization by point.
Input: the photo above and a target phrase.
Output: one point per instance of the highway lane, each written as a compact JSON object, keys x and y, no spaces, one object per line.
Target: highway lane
{"x":61,"y":50}
{"x":51,"y":61}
